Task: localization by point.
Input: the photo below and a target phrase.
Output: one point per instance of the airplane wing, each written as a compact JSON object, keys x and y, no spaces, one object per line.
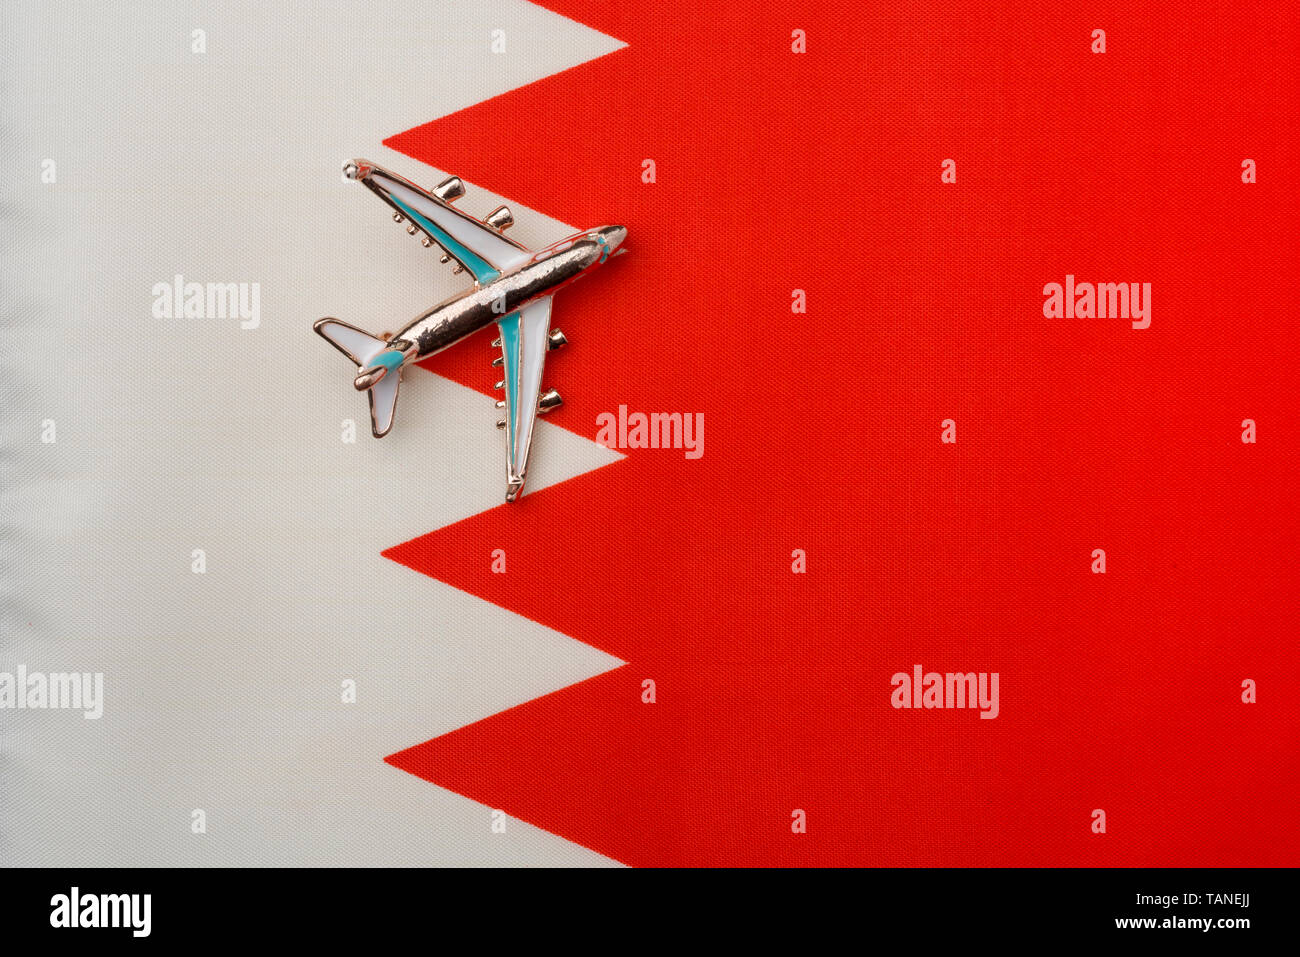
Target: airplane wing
{"x":477,"y":246}
{"x":524,"y":343}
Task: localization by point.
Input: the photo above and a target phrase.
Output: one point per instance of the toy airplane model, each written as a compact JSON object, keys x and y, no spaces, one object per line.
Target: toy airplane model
{"x":512,"y":287}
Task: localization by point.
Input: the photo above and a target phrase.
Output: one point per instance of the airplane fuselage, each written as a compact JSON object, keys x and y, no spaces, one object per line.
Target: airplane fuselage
{"x":451,"y":321}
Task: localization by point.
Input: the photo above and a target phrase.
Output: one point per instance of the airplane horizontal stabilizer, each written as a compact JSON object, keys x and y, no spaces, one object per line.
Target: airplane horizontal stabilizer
{"x":383,"y":403}
{"x":382,"y":382}
{"x":357,"y":344}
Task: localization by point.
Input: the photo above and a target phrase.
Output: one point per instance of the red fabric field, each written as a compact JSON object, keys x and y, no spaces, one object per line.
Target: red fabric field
{"x":821,"y":171}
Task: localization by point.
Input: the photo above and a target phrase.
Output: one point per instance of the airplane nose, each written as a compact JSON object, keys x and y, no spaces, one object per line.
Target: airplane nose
{"x":614,"y":235}
{"x":357,"y":169}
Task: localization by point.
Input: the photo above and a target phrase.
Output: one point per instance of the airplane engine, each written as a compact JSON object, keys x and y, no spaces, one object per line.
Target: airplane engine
{"x":500,"y":218}
{"x":450,"y":189}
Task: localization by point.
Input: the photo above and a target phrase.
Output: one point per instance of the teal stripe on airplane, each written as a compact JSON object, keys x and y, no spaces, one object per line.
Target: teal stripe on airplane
{"x":510,"y":349}
{"x":475,"y":263}
{"x":390,"y":360}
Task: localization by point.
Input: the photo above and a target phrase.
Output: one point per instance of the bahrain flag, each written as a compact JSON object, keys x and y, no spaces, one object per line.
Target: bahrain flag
{"x":953,"y":367}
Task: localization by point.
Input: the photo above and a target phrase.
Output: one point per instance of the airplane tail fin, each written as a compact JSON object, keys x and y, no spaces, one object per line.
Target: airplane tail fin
{"x":381,"y":381}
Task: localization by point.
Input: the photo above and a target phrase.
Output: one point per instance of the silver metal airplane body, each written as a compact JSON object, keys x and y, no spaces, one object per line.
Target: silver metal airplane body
{"x":512,"y":287}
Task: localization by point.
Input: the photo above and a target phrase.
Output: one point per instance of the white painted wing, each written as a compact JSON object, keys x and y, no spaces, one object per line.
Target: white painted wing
{"x":524,"y":345}
{"x":481,"y":249}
